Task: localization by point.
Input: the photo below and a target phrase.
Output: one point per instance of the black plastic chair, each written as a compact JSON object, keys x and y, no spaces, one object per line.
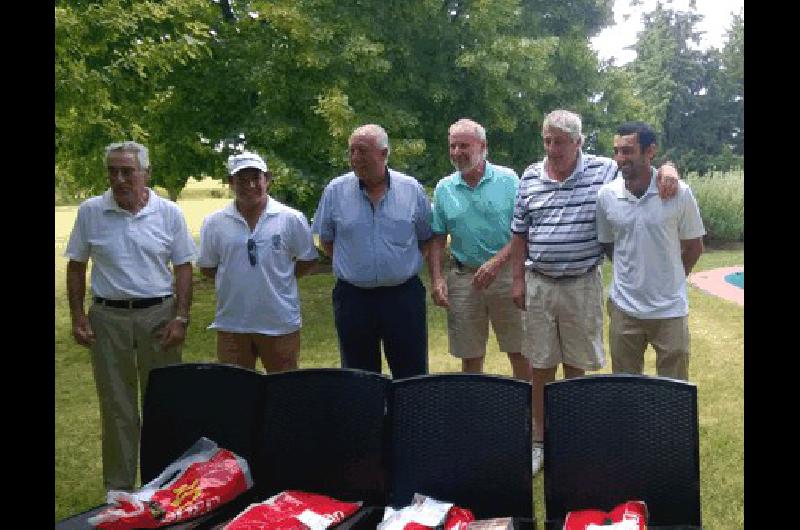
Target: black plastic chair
{"x":463,"y":438}
{"x":323,"y":430}
{"x":184,"y":402}
{"x":613,"y":438}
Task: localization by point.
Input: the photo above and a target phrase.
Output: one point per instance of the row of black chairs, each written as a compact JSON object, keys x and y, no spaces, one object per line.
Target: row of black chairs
{"x":462,"y":438}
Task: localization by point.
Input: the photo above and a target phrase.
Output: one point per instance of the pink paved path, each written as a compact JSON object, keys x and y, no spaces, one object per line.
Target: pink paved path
{"x":713,"y":282}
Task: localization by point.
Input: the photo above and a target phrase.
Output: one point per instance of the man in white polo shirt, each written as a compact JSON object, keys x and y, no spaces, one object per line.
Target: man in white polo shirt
{"x":653,"y":245}
{"x":255,"y":249}
{"x":135,"y":323}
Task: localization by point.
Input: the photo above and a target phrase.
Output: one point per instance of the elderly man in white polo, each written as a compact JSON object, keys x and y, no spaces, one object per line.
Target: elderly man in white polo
{"x":137,"y":321}
{"x":255,"y":249}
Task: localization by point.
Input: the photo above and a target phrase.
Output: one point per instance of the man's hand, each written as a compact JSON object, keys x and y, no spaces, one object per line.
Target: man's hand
{"x":439,"y":292}
{"x":82,"y":331}
{"x":174,"y":334}
{"x":485,"y":274}
{"x":518,"y":293}
{"x":667,"y":181}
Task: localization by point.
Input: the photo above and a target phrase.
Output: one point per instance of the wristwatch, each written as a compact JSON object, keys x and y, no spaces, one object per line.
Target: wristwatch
{"x":182,"y":320}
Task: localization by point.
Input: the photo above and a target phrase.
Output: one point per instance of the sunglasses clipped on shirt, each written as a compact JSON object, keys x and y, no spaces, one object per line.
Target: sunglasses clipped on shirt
{"x":252,"y":255}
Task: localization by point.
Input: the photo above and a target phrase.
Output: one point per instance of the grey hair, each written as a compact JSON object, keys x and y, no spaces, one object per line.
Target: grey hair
{"x":133,"y":147}
{"x":374,"y":131}
{"x":470,"y":126}
{"x":566,"y":121}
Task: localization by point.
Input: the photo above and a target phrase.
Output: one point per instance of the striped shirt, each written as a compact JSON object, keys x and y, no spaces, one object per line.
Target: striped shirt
{"x":559,"y":217}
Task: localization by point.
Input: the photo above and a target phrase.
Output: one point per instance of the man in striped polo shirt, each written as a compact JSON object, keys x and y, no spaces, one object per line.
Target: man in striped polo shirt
{"x":556,"y":257}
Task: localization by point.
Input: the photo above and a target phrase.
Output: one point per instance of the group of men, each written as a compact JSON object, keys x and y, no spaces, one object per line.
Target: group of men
{"x":524,"y":254}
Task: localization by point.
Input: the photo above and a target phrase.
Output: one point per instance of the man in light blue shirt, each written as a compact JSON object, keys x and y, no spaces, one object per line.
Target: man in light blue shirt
{"x":474,"y":206}
{"x":374,"y":222}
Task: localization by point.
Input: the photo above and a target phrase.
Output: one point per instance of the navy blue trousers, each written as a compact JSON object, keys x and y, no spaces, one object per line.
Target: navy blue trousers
{"x":394,"y":316}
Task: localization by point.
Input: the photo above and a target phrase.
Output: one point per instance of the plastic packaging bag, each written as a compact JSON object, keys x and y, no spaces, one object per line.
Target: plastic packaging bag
{"x":293,"y":510}
{"x":631,"y":515}
{"x":202,"y":479}
{"x":424,"y":513}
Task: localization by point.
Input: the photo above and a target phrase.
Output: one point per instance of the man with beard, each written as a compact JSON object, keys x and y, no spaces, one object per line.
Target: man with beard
{"x":255,"y":249}
{"x":653,"y":245}
{"x":374,"y":222}
{"x":137,"y":321}
{"x":474,"y":207}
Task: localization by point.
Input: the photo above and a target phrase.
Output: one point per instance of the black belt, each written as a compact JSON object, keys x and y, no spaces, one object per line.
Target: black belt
{"x":137,"y":303}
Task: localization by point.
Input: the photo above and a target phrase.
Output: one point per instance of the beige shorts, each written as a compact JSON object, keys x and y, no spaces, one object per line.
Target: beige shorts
{"x":628,"y":338}
{"x":277,"y":352}
{"x":471,"y":310}
{"x":563,"y":321}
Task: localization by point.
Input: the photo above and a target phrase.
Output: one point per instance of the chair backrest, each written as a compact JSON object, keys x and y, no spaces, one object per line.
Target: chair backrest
{"x":462,"y":438}
{"x":186,"y":401}
{"x":614,"y":438}
{"x":323,"y":430}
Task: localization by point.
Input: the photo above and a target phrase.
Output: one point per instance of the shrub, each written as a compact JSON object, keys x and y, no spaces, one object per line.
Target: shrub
{"x":721,"y":200}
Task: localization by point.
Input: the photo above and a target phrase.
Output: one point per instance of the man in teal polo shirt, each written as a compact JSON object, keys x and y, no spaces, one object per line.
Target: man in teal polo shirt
{"x":474,"y":206}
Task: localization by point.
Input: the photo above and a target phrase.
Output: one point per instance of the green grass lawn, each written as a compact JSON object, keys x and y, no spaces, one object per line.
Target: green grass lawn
{"x":717,"y":365}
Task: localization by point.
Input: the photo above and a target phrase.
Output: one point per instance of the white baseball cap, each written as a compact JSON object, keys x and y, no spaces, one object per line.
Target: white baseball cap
{"x":244,"y":160}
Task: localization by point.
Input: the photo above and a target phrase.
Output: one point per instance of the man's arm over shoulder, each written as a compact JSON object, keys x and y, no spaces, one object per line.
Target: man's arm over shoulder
{"x":667,"y":179}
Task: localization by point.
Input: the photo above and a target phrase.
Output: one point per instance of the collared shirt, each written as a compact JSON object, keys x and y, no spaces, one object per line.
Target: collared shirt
{"x":559,"y":217}
{"x":649,"y":278}
{"x":477,"y":219}
{"x":374,"y":246}
{"x":262,"y":298}
{"x":130,"y":252}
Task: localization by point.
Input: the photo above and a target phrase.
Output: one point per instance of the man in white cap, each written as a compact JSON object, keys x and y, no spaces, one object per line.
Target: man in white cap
{"x":137,"y":321}
{"x":255,"y":249}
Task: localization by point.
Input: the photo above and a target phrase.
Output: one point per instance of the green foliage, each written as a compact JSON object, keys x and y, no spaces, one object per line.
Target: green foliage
{"x":695,"y":98}
{"x":114,"y":63}
{"x":292,"y":78}
{"x":720,"y":197}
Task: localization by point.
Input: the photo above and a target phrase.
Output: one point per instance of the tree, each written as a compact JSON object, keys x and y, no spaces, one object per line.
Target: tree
{"x":113,"y":60}
{"x":292,"y":78}
{"x":686,"y":91}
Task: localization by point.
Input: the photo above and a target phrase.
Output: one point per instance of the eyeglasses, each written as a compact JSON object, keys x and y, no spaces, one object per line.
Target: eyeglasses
{"x":124,"y":173}
{"x":251,"y":252}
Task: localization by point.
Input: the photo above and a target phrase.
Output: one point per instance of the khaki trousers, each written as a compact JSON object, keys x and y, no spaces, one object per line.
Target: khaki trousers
{"x":126,"y":348}
{"x":628,"y":338}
